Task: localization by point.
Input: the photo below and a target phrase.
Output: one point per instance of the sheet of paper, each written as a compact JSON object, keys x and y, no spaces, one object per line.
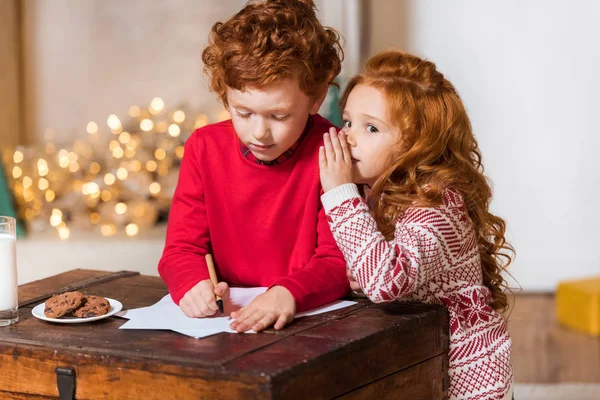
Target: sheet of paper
{"x":165,"y":314}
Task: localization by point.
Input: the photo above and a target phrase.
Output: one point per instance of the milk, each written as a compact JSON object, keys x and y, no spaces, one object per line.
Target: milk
{"x":8,"y":272}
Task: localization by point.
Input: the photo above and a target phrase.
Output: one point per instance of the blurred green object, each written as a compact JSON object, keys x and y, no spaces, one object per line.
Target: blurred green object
{"x":7,"y":208}
{"x":334,"y":114}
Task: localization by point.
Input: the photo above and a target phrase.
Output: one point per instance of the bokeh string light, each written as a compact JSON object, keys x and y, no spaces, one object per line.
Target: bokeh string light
{"x":120,"y":179}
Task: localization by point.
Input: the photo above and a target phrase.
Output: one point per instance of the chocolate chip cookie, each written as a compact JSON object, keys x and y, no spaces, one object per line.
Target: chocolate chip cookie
{"x":64,"y":303}
{"x":94,"y":306}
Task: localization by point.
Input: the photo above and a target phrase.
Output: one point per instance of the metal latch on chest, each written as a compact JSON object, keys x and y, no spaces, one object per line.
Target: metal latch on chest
{"x":65,"y":381}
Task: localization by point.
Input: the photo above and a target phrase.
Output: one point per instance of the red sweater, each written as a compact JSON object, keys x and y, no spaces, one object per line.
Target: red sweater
{"x":263,"y":224}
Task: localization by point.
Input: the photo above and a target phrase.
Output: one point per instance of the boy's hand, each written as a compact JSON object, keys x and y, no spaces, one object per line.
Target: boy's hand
{"x":275,"y":306}
{"x":335,"y":161}
{"x":200,"y":301}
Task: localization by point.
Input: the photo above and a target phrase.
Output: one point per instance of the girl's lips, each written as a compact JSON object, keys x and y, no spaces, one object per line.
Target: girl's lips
{"x":354,"y":160}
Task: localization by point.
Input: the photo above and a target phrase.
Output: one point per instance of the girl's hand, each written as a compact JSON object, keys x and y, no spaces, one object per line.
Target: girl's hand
{"x":335,"y":161}
{"x":353,"y":284}
{"x":200,"y":301}
{"x":275,"y":306}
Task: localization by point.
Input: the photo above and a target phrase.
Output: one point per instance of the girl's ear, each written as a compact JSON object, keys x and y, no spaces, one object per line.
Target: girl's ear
{"x":318,"y":100}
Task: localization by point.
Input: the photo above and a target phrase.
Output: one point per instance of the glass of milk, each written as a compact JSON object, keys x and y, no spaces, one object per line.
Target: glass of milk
{"x":8,"y":272}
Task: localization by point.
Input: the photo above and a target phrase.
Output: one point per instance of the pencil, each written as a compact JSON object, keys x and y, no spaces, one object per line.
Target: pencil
{"x":213,"y":279}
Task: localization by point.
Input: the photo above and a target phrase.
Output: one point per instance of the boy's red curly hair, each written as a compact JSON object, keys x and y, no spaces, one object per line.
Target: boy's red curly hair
{"x":270,"y":41}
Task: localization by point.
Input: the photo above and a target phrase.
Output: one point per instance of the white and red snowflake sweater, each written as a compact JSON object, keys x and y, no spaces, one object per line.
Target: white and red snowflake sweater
{"x":433,"y":258}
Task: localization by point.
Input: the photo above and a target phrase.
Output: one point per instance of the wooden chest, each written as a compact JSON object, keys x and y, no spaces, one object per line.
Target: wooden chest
{"x":395,"y":351}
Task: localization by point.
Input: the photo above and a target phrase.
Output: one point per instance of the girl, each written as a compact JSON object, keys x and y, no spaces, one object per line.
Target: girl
{"x":424,"y":232}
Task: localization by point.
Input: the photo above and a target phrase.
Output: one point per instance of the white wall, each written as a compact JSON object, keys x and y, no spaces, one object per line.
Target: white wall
{"x":85,"y":60}
{"x":528,"y":73}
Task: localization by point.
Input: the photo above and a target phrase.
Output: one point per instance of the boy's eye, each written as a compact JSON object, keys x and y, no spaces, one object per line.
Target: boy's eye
{"x":280,"y":117}
{"x":347,"y":124}
{"x":242,"y":115}
{"x":372,"y":129}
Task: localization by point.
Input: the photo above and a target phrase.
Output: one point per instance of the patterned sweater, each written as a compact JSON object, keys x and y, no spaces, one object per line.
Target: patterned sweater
{"x":434,"y":259}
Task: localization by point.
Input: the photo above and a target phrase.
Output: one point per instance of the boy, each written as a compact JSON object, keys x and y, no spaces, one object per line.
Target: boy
{"x":248,"y":189}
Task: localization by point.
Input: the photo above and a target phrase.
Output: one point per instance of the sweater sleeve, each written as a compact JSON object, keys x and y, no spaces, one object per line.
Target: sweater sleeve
{"x":182,"y":264}
{"x":385,"y":270}
{"x":323,"y":280}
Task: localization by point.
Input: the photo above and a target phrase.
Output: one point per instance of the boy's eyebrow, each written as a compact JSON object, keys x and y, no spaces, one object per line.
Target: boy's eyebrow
{"x":279,"y":107}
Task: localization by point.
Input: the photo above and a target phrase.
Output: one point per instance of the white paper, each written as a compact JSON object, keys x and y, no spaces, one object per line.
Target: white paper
{"x":166,"y":315}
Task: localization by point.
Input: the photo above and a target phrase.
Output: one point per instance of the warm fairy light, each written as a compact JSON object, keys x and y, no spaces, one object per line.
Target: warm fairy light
{"x":124,"y":137}
{"x":201,"y":120}
{"x":43,"y":184}
{"x":56,"y":211}
{"x":157,"y":105}
{"x":42,"y":167}
{"x":17,"y":172}
{"x":136,"y":166}
{"x":122,"y":173}
{"x":113,"y":145}
{"x":174,"y":130}
{"x":109,"y":179}
{"x":154,"y":188}
{"x":73,"y":157}
{"x":118,"y":153}
{"x":106,"y":195}
{"x":108,"y":229}
{"x":73,"y":167}
{"x":50,"y":195}
{"x":18,"y":157}
{"x":130,"y":153}
{"x":160,"y":154}
{"x":113,"y":122}
{"x":95,"y":168}
{"x":55,"y":219}
{"x":179,"y":151}
{"x":90,"y":188}
{"x":49,"y":148}
{"x":27,"y":182}
{"x":91,"y":127}
{"x":146,"y":125}
{"x":63,"y":158}
{"x":179,"y":116}
{"x":94,"y":218}
{"x":134,"y":111}
{"x":132,"y":229}
{"x":151,"y":166}
{"x":28,"y":195}
{"x":63,"y":232}
{"x":121,"y":208}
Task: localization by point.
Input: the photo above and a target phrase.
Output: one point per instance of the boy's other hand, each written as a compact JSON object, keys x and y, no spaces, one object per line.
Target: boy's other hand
{"x":335,"y":161}
{"x":200,"y":301}
{"x":275,"y":306}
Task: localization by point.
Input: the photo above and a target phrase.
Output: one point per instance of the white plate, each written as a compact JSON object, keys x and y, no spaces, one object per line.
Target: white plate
{"x":38,"y":312}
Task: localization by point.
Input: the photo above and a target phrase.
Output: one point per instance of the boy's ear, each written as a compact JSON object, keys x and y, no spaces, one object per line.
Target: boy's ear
{"x":318,"y":101}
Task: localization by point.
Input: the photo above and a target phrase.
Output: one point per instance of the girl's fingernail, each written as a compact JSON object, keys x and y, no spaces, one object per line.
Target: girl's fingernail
{"x":325,"y":134}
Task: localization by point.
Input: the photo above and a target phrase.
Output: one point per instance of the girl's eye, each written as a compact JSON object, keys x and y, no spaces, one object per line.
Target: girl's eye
{"x":347,"y":124}
{"x":372,"y":129}
{"x":280,"y":117}
{"x":242,"y":115}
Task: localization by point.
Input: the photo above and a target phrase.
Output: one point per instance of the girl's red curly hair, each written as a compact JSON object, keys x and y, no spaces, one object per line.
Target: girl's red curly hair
{"x":437,"y":150}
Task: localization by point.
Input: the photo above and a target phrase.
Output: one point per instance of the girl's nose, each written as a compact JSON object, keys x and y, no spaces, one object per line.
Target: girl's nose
{"x":350,"y":137}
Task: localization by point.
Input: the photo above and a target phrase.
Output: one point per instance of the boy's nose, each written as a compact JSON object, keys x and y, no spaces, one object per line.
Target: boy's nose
{"x":261,"y":132}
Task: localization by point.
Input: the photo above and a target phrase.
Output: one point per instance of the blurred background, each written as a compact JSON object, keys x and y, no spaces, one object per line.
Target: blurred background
{"x":98,"y":96}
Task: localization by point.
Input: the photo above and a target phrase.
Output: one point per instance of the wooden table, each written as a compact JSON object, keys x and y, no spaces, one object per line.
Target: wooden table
{"x":396,"y":351}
